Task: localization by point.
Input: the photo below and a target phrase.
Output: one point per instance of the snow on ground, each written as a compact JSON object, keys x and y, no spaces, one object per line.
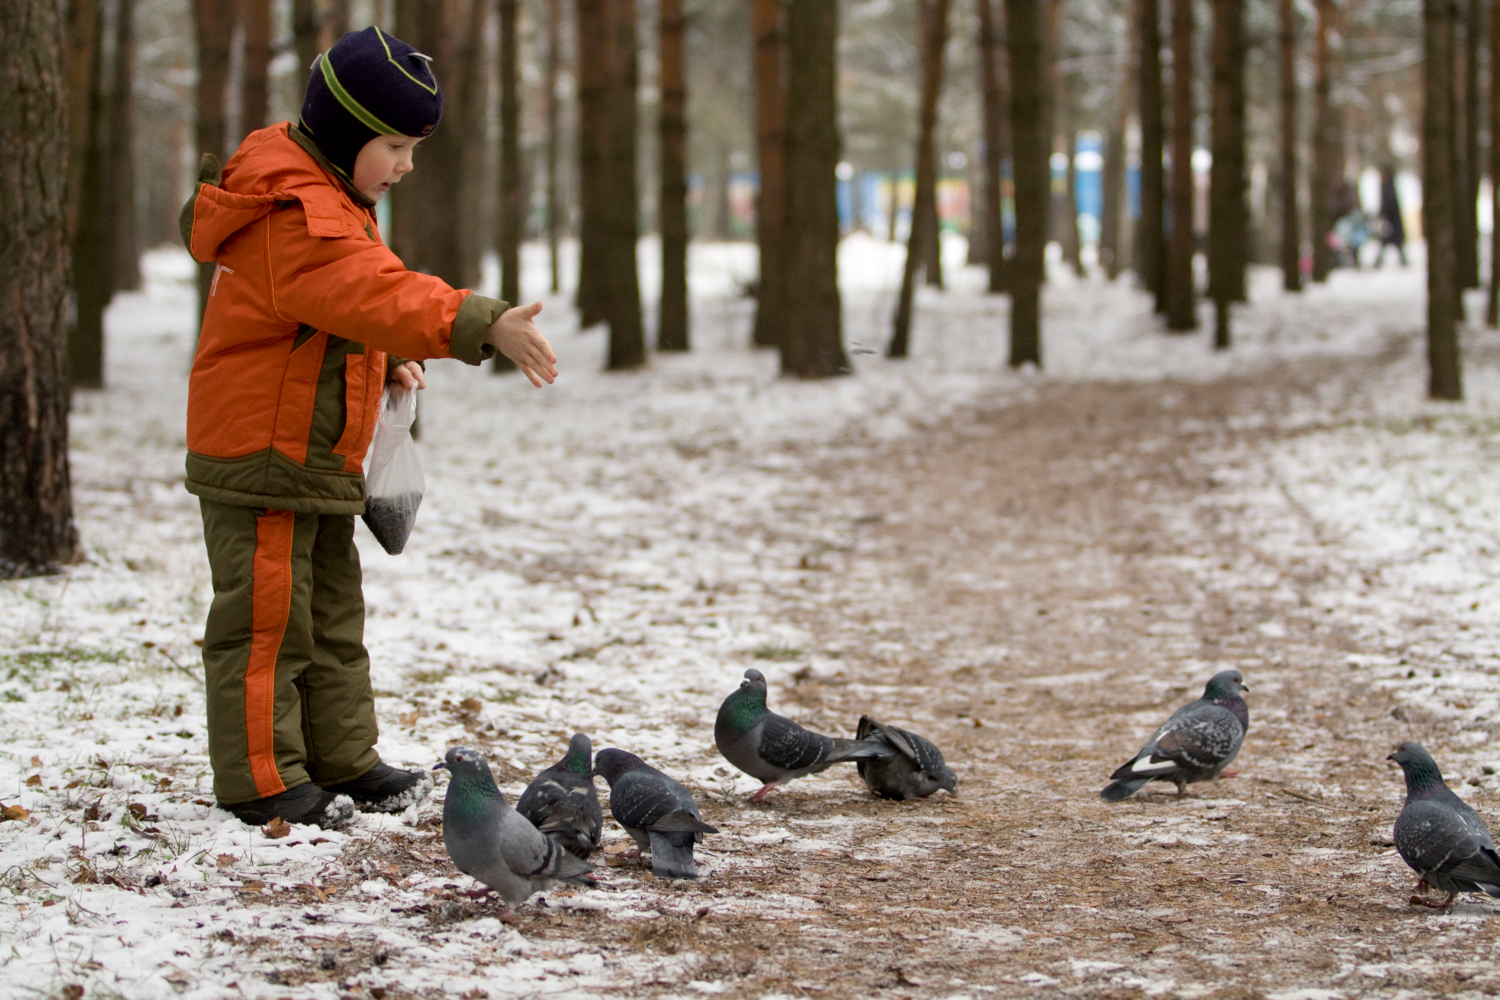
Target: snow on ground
{"x":607,"y":555}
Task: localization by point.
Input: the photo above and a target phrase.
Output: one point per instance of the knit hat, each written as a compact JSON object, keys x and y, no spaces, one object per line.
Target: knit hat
{"x":368,"y":84}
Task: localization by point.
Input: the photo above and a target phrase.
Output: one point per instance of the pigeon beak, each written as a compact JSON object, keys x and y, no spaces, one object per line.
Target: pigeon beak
{"x":440,"y":766}
{"x":1244,"y":686}
{"x":1392,"y":757}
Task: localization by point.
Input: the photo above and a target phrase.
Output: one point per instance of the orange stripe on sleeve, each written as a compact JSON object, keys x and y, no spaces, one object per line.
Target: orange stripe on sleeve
{"x":271,"y":607}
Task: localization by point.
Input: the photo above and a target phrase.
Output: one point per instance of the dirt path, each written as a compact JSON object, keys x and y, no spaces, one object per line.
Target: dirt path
{"x":1036,"y":589}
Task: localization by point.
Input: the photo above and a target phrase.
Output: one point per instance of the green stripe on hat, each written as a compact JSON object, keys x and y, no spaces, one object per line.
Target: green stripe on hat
{"x":350,"y":104}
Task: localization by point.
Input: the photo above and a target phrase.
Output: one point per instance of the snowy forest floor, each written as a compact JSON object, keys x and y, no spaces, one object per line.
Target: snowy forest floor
{"x":1031,"y":569}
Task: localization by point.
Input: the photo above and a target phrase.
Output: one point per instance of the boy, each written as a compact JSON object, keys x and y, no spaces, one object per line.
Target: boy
{"x":305,"y":305}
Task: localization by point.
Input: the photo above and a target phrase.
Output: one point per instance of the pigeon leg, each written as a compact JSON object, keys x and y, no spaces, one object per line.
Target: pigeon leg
{"x":1229,"y":774}
{"x":479,"y":893}
{"x":764,"y":789}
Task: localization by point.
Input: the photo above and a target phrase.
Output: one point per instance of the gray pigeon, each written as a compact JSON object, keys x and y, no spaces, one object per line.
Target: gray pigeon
{"x":915,"y":771}
{"x":491,"y":842}
{"x":1195,"y":744}
{"x":658,"y":813}
{"x":775,"y":749}
{"x":563,"y":803}
{"x":1440,"y":835}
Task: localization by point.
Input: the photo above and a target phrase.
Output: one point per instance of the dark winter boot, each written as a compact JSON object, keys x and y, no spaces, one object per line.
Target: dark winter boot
{"x":384,"y":788}
{"x":304,"y":804}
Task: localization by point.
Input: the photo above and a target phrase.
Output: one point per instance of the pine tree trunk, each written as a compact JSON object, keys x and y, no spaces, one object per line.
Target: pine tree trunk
{"x":1291,"y":228}
{"x":473,"y":232}
{"x":1150,"y":243}
{"x":554,"y":44}
{"x":768,"y":22}
{"x":93,"y":258}
{"x":1492,"y":308}
{"x":627,"y":337}
{"x":125,"y":269}
{"x":1064,"y":223}
{"x":1227,"y":175}
{"x":1112,"y":249}
{"x":1241,"y":241}
{"x":305,"y":23}
{"x":1182,"y":311}
{"x":593,"y":79}
{"x":996,"y":143}
{"x":213,"y":29}
{"x":814,"y":342}
{"x":932,"y":244}
{"x":1320,"y":188}
{"x":255,"y":15}
{"x":510,"y":201}
{"x":932,"y":15}
{"x":1072,"y":239}
{"x":1033,"y":179}
{"x":672,"y":320}
{"x":81,"y":39}
{"x":37,"y":534}
{"x":1466,"y":215}
{"x":1438,"y":182}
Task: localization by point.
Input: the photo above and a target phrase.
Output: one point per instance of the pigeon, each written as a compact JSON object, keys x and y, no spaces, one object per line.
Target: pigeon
{"x":775,"y":749}
{"x":915,"y":771}
{"x":1195,"y":744}
{"x":658,"y":813}
{"x":563,"y":803}
{"x":490,"y":842}
{"x":1440,"y":835}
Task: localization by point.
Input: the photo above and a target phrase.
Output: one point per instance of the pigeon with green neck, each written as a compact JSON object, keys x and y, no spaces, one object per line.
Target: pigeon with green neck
{"x":774,"y":749}
{"x":1440,"y":835}
{"x":492,"y":843}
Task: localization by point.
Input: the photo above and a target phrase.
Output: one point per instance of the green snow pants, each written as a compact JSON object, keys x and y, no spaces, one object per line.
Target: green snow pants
{"x":285,"y":666}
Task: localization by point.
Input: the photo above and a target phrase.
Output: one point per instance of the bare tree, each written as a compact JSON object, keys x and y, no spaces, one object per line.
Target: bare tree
{"x":1226,"y":236}
{"x":1065,"y":139}
{"x":305,"y":25}
{"x":1320,"y":188}
{"x":1466,"y":149}
{"x":1291,"y":228}
{"x":1182,"y":312}
{"x":672,"y":321}
{"x":813,"y":346}
{"x":213,"y":29}
{"x":255,"y":16}
{"x":1111,"y":223}
{"x":125,"y":264}
{"x":627,"y":338}
{"x":932,"y":16}
{"x":554,"y":44}
{"x":768,"y":21}
{"x":1150,"y":242}
{"x":996,"y":141}
{"x":92,"y":237}
{"x":1032,"y":172}
{"x":511,"y":201}
{"x":1492,"y":308}
{"x":37,"y":534}
{"x":593,"y":80}
{"x":1444,"y":374}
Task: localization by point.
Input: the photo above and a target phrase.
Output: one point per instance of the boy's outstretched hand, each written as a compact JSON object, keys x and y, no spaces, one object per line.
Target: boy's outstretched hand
{"x":516,"y":336}
{"x":409,"y":374}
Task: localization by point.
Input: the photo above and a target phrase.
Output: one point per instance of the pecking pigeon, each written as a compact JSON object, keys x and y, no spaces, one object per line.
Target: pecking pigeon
{"x":914,"y":771}
{"x":658,"y":813}
{"x":1195,"y":744}
{"x":775,"y":749}
{"x":491,"y":842}
{"x":563,"y":803}
{"x":1440,"y":835}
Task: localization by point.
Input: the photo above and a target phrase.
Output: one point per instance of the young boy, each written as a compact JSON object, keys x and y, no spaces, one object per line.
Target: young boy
{"x":308,"y":315}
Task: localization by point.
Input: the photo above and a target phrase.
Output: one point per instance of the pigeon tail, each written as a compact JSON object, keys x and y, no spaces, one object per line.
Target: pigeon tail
{"x":1122,"y":788}
{"x":896,"y":737}
{"x":672,"y":860}
{"x":571,"y":829}
{"x":681,"y":821}
{"x":845,"y":749}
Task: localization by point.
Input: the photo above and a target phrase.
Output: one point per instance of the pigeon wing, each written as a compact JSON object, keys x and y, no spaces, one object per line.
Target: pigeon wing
{"x":788,"y":746}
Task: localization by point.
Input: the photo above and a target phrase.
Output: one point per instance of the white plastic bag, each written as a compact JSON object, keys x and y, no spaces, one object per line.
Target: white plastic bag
{"x":393,"y":473}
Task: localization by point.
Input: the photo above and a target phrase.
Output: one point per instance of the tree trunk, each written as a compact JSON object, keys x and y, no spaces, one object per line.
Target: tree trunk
{"x":1320,"y":189}
{"x":593,"y":80}
{"x":768,"y":22}
{"x":1150,"y":243}
{"x":931,"y":246}
{"x":82,"y":39}
{"x":996,"y":143}
{"x":627,"y":337}
{"x":1065,"y":206}
{"x":36,"y":506}
{"x":213,"y":28}
{"x":1492,"y":309}
{"x":305,"y":24}
{"x":932,"y":15}
{"x":510,"y":202}
{"x":672,"y":318}
{"x":554,"y":44}
{"x":474,"y":231}
{"x":125,"y":268}
{"x":1291,"y":228}
{"x":1466,"y":151}
{"x":814,"y":343}
{"x":1111,"y":225}
{"x":1226,"y":237}
{"x":1444,"y":377}
{"x":255,"y":15}
{"x":93,"y":243}
{"x":1072,"y":239}
{"x":1182,"y":311}
{"x":1033,"y":179}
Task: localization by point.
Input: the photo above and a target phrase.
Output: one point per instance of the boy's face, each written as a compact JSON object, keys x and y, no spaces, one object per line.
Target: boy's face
{"x":383,"y":161}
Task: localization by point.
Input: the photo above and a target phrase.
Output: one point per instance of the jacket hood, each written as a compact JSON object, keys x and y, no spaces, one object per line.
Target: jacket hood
{"x":270,"y":169}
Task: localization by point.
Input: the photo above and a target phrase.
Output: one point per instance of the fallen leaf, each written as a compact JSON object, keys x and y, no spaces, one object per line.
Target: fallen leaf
{"x":36,"y":762}
{"x":92,"y":812}
{"x":410,"y":718}
{"x":34,"y":781}
{"x":86,"y":876}
{"x":137,"y":810}
{"x":470,"y":704}
{"x":277,"y":828}
{"x":252,"y":886}
{"x":14,"y":812}
{"x":225,"y":860}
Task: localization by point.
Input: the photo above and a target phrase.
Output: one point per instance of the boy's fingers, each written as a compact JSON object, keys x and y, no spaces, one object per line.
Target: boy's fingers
{"x":526,"y":370}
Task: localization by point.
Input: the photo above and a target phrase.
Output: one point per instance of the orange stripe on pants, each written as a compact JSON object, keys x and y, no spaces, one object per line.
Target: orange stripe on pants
{"x":271,"y":605}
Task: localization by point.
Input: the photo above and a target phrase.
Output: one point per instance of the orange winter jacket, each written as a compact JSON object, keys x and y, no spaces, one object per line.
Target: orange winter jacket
{"x":305,"y":304}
